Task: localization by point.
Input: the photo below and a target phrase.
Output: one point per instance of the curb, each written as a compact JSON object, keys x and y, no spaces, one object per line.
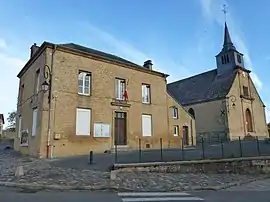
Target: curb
{"x":38,"y":187}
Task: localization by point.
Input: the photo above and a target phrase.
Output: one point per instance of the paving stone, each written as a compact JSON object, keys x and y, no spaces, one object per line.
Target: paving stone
{"x":44,"y":172}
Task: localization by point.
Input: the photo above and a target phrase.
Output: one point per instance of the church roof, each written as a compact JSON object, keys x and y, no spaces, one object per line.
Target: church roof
{"x":202,"y":87}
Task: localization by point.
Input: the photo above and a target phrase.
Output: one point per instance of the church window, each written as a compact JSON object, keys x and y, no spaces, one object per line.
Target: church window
{"x":227,"y":58}
{"x":239,"y":59}
{"x":245,"y":91}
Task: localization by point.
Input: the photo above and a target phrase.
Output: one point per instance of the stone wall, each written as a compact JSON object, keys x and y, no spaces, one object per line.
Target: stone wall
{"x":249,"y":165}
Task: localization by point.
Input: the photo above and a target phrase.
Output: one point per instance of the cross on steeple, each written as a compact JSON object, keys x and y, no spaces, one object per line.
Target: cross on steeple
{"x":225,"y":11}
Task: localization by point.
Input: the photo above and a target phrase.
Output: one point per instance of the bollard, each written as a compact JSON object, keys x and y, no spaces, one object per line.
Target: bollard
{"x":183,"y":154}
{"x":258,"y":146}
{"x":91,"y":157}
{"x":140,"y":150}
{"x":240,"y":147}
{"x":203,"y":155}
{"x":115,"y":153}
{"x":161,"y":152}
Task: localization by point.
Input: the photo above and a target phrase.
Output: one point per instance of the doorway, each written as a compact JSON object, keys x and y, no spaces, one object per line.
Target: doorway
{"x":120,"y":129}
{"x":185,"y":135}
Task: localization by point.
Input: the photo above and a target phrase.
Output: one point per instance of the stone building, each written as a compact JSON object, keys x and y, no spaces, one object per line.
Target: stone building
{"x":2,"y":122}
{"x":73,"y":99}
{"x":224,"y":101}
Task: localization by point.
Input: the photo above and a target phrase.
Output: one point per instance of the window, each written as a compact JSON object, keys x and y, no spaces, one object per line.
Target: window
{"x":21,"y":93}
{"x":84,"y":83}
{"x":146,"y":125}
{"x":34,"y":123}
{"x":239,"y":58}
{"x":37,"y":81}
{"x":227,"y":57}
{"x":175,"y":130}
{"x":19,"y":127}
{"x":245,"y":91}
{"x":146,"y":93}
{"x":83,"y":121}
{"x":120,"y":87}
{"x":174,"y":112}
{"x":222,"y":59}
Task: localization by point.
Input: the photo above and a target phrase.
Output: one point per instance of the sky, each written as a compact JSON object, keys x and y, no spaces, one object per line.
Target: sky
{"x":181,"y":37}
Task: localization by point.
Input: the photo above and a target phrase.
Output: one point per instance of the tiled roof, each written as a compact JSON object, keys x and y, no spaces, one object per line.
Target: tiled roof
{"x":202,"y":87}
{"x":99,"y":53}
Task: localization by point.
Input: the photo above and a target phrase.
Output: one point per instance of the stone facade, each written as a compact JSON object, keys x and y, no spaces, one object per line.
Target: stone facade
{"x":63,"y":141}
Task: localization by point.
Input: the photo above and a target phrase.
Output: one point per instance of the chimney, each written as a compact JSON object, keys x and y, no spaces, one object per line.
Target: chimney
{"x":148,"y":64}
{"x":34,"y":48}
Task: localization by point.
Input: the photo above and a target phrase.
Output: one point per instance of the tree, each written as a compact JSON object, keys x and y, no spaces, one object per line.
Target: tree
{"x":268,"y":128}
{"x":11,"y":121}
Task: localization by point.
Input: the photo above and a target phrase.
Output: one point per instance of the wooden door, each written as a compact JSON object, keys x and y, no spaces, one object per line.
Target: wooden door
{"x":185,"y":135}
{"x":120,"y":132}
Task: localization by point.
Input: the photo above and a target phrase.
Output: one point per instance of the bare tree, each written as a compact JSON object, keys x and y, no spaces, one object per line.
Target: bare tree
{"x":11,"y":121}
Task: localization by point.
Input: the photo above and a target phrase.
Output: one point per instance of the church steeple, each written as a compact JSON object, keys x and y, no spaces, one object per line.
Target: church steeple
{"x":228,"y":44}
{"x":228,"y":58}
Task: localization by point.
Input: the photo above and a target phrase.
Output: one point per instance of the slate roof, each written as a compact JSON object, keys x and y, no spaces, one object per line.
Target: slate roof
{"x":99,"y":53}
{"x":202,"y":87}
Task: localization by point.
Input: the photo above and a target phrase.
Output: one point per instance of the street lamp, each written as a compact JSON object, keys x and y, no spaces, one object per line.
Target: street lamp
{"x":232,"y":99}
{"x":46,"y":85}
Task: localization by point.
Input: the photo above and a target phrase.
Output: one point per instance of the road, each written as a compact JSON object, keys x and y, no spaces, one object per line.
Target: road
{"x":207,"y":196}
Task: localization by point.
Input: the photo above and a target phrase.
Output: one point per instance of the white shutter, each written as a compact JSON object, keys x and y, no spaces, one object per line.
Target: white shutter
{"x":19,"y":127}
{"x":83,"y":121}
{"x":146,"y":125}
{"x":34,"y":126}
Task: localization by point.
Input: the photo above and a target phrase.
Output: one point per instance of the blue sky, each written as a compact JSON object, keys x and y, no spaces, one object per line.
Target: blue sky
{"x":181,"y":37}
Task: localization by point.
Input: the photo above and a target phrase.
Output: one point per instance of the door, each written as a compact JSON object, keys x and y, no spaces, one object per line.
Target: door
{"x":120,"y":132}
{"x":185,"y":135}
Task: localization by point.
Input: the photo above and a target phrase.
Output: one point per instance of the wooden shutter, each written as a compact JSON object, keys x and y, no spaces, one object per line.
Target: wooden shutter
{"x":146,"y":125}
{"x":83,"y":121}
{"x":34,"y":126}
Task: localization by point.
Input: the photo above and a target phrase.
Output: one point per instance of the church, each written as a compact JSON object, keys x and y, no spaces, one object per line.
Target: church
{"x":224,"y":101}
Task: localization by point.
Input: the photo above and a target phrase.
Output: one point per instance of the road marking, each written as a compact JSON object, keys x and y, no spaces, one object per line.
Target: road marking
{"x":162,"y":199}
{"x":153,"y":194}
{"x":157,"y":196}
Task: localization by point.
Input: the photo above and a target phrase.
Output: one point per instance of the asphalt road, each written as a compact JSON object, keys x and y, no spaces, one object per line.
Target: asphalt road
{"x":207,"y":196}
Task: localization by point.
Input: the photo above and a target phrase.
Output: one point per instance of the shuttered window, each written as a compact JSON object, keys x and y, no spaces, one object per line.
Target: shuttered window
{"x":146,"y":125}
{"x":83,"y":121}
{"x":34,"y":123}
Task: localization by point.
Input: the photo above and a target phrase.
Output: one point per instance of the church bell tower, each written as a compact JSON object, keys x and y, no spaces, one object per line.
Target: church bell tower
{"x":229,"y":58}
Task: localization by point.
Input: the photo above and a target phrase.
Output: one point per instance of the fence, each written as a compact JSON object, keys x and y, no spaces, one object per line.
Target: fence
{"x":203,"y":150}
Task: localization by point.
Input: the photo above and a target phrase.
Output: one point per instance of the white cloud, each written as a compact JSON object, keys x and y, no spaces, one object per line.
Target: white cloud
{"x":111,"y":44}
{"x":9,"y":68}
{"x":267,"y":112}
{"x":212,"y":11}
{"x":3,"y":44}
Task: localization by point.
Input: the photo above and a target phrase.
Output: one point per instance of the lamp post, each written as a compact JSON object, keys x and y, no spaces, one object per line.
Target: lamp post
{"x":231,"y":99}
{"x":46,"y":87}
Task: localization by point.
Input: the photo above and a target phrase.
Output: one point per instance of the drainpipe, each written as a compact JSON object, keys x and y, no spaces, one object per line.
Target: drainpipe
{"x":49,"y":144}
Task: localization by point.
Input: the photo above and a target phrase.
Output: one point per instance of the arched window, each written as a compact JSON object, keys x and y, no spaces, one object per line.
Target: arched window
{"x":192,"y":113}
{"x":249,"y":121}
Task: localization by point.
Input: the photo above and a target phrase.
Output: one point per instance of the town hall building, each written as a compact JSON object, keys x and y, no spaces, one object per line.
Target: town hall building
{"x":224,"y":101}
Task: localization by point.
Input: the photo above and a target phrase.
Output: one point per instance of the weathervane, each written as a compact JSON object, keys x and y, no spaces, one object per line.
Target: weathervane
{"x":225,"y":11}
